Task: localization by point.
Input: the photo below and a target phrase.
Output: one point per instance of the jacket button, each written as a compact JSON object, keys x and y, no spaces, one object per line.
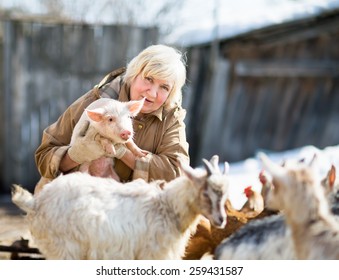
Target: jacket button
{"x":140,"y":126}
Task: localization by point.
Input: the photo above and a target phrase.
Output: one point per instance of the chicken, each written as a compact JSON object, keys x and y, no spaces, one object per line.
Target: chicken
{"x":255,"y":203}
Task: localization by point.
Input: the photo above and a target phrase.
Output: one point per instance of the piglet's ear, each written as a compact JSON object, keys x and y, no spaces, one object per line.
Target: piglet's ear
{"x":134,"y":107}
{"x":96,"y":115}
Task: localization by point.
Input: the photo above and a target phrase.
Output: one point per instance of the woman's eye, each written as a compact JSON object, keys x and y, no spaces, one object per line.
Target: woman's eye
{"x":165,"y":88}
{"x":149,"y":79}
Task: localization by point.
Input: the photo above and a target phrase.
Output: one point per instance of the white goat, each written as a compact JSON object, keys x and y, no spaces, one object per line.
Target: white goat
{"x":78,"y":216}
{"x":269,"y":238}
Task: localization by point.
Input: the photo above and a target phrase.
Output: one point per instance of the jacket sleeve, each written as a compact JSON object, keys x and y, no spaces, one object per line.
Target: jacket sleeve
{"x":163,"y":163}
{"x":56,"y":137}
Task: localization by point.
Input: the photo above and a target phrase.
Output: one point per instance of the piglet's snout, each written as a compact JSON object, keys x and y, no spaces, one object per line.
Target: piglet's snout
{"x":125,"y":134}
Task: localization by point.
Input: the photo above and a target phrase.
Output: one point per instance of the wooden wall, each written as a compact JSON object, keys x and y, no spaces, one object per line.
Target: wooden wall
{"x":276,"y":88}
{"x":44,"y":68}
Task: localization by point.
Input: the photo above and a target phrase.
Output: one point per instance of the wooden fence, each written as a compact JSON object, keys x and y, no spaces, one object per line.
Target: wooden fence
{"x":275,"y":88}
{"x":45,"y":67}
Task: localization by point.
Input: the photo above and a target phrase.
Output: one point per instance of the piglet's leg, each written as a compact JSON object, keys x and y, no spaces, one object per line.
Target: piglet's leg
{"x":135,"y":149}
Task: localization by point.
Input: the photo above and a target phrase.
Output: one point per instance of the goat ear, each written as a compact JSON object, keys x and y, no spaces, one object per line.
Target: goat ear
{"x":188,"y":170}
{"x":331,"y":176}
{"x":271,"y":167}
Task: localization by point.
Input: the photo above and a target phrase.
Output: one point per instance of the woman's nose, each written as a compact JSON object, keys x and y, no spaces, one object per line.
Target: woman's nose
{"x":152,"y":91}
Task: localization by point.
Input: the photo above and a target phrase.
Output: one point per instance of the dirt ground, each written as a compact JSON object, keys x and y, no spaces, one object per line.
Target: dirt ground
{"x":13,"y":226}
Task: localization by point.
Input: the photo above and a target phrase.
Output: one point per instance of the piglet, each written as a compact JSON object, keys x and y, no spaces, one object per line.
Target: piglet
{"x":110,"y":120}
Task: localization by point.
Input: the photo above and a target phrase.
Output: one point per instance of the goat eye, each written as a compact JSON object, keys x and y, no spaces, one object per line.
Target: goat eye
{"x":218,"y":193}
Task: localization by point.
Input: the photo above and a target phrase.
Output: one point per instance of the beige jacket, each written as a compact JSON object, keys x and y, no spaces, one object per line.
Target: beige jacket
{"x":162,"y":133}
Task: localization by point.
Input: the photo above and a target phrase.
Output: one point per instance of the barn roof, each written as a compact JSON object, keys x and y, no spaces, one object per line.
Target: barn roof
{"x":259,"y":30}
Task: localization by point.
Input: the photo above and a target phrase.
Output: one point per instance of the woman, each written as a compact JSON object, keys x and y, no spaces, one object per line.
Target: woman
{"x":157,"y":74}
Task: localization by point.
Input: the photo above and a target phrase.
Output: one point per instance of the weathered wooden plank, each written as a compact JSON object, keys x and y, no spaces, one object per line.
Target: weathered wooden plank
{"x":287,"y":69}
{"x":8,"y":132}
{"x":283,"y":111}
{"x":213,"y":122}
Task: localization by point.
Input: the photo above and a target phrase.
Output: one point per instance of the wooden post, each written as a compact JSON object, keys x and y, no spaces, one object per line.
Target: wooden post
{"x":7,"y":105}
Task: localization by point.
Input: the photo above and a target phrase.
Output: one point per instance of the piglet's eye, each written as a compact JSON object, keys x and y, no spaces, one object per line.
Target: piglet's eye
{"x":111,"y":119}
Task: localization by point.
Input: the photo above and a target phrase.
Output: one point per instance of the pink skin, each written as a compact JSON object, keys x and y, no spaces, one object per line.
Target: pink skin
{"x":125,"y":135}
{"x":154,"y":90}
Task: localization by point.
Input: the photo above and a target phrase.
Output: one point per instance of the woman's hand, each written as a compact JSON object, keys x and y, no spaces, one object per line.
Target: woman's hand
{"x":87,"y":146}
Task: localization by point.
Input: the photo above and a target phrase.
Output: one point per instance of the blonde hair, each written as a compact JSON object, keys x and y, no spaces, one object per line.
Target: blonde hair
{"x":163,"y":63}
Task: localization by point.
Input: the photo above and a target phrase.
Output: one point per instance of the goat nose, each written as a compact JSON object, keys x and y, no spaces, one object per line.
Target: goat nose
{"x":125,"y":135}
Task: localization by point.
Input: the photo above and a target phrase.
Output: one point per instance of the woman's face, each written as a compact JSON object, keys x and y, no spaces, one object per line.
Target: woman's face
{"x":153,"y":90}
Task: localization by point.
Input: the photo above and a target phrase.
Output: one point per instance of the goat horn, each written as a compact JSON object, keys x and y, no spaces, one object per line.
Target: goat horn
{"x":215,"y":162}
{"x":208,"y":166}
{"x":226,"y":167}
